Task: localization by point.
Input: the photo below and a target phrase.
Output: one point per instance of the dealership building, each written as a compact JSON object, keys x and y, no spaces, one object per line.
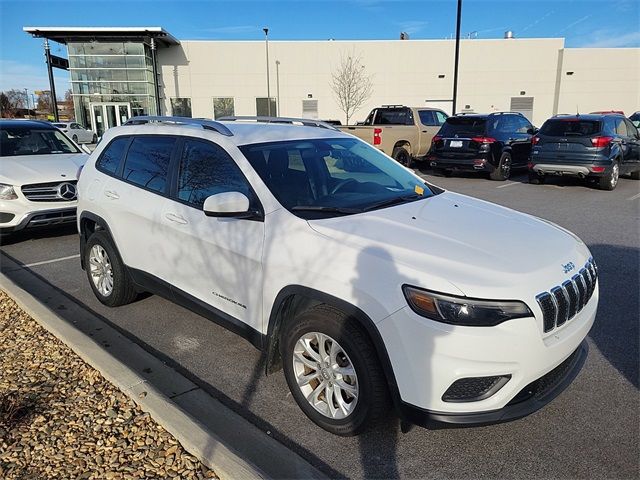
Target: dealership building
{"x":119,"y":72}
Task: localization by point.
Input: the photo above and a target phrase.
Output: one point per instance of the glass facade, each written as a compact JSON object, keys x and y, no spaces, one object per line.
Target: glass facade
{"x":110,"y":82}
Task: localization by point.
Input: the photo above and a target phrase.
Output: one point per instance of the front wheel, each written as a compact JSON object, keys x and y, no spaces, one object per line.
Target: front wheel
{"x":94,"y":138}
{"x":106,"y":272}
{"x":503,"y":170}
{"x":333,"y":371}
{"x":536,"y":179}
{"x":610,"y":180}
{"x":74,"y":138}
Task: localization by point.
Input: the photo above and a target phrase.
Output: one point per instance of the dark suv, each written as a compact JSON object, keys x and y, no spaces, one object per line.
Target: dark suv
{"x":494,"y":143}
{"x":600,"y":147}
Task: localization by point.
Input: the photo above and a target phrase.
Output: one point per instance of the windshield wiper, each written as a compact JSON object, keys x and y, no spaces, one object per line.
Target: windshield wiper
{"x":325,"y":208}
{"x":394,"y":201}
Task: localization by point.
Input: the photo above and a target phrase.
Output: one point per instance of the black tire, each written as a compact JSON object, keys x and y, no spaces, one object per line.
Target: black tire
{"x":94,"y":139}
{"x":609,"y":181}
{"x":123,"y":290}
{"x":503,"y":170}
{"x":536,"y":179}
{"x":74,"y":138}
{"x":402,"y":156}
{"x":635,"y":175}
{"x":373,"y":401}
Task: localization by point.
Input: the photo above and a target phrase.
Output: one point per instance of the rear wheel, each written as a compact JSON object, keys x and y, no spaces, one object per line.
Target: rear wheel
{"x":503,"y":170}
{"x":106,"y":272}
{"x":74,"y":138}
{"x":402,"y":156}
{"x":333,"y":371}
{"x":610,"y":180}
{"x":94,"y":139}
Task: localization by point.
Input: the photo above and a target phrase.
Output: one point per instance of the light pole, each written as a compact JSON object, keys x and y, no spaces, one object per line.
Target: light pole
{"x":455,"y":67}
{"x":266,"y":44}
{"x":278,"y":85}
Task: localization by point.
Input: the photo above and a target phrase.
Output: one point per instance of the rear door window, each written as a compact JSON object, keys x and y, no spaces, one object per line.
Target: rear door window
{"x":463,"y":127}
{"x":110,"y":157}
{"x":147,"y":163}
{"x":570,"y":127}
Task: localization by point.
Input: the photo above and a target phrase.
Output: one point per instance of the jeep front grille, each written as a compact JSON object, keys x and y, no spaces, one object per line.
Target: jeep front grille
{"x":560,"y":304}
{"x":50,"y":192}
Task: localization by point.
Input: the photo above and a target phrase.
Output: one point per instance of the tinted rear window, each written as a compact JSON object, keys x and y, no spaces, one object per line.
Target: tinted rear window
{"x":463,"y":126}
{"x":390,"y":116}
{"x":147,"y":162}
{"x":570,"y":127}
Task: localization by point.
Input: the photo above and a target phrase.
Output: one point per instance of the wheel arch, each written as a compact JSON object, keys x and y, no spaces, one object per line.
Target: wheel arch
{"x":294,"y":299}
{"x":402,"y":144}
{"x":89,"y":223}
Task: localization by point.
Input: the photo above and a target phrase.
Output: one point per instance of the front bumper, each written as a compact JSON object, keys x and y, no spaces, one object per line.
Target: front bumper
{"x":530,"y":399}
{"x":428,"y":357}
{"x":39,"y":218}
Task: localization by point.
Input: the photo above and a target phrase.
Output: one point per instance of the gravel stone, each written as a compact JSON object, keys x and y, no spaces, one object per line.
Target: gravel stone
{"x":59,"y":418}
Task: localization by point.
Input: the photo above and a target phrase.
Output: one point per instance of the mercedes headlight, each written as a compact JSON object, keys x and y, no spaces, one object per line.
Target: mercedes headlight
{"x":7,"y":192}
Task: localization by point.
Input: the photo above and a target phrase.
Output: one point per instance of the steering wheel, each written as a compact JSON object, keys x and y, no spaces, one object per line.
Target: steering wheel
{"x":342,"y":184}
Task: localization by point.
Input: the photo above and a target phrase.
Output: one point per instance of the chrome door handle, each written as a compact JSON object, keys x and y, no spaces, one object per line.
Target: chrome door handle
{"x":172,"y":217}
{"x":111,"y":194}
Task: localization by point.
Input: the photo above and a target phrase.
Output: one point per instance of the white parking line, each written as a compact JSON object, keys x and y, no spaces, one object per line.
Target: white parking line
{"x":634,"y":197}
{"x":508,"y":185}
{"x":35,"y":264}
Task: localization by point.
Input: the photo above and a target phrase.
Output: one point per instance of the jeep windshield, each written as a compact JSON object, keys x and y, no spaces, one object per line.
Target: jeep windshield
{"x":463,"y":127}
{"x":19,"y":140}
{"x":329,"y":177}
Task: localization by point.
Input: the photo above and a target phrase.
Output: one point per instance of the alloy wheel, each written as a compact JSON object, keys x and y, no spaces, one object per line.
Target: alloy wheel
{"x":101,"y":270}
{"x":325,"y":375}
{"x":615,"y":174}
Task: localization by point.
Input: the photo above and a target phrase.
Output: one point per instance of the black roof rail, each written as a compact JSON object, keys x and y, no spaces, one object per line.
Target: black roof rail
{"x":307,"y":122}
{"x":505,"y":113}
{"x":199,"y":122}
{"x":393,"y":106}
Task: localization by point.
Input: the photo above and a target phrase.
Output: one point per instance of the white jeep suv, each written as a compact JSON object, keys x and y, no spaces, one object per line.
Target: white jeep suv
{"x":38,"y":174}
{"x":368,"y":286}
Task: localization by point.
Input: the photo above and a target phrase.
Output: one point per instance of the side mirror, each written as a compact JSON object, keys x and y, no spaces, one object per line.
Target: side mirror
{"x":228,"y":204}
{"x":532,"y":131}
{"x":85,"y":149}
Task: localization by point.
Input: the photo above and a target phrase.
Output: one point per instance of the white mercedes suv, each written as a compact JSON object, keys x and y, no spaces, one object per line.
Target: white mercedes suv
{"x":38,"y":174}
{"x":369,"y":287}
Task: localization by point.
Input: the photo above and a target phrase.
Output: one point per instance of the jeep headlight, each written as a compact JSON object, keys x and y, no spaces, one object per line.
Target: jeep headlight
{"x":7,"y":192}
{"x":463,"y":311}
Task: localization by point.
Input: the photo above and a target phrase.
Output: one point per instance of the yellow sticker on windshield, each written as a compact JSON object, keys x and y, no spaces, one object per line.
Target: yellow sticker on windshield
{"x":419,"y":190}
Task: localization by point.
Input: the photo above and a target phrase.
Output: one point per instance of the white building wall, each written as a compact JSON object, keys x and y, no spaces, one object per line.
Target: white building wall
{"x":403,"y":72}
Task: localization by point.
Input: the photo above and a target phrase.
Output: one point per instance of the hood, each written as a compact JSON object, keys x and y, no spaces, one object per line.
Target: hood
{"x":483,"y":249}
{"x":26,"y":169}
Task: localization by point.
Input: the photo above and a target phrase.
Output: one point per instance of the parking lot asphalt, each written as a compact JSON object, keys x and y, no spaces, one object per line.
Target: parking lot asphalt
{"x":591,"y":430}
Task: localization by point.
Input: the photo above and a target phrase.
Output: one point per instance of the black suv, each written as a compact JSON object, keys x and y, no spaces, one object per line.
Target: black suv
{"x":494,"y":143}
{"x":600,"y":147}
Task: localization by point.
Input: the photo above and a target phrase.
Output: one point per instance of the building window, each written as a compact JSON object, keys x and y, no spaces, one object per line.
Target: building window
{"x":223,"y":107}
{"x":181,"y":107}
{"x":262,"y":107}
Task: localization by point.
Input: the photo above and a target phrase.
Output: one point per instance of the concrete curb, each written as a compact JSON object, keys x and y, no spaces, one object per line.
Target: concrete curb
{"x":218,"y":448}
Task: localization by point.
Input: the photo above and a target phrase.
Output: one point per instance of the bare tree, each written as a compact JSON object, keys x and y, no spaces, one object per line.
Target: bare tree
{"x":44,"y":101}
{"x":351,"y":84}
{"x":11,"y":102}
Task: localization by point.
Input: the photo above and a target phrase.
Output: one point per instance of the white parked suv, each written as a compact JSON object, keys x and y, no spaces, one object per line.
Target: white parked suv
{"x":38,"y":174}
{"x":370,"y":288}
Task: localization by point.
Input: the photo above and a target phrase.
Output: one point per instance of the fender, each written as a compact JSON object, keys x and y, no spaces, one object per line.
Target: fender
{"x":296,"y":298}
{"x":84,"y":235}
